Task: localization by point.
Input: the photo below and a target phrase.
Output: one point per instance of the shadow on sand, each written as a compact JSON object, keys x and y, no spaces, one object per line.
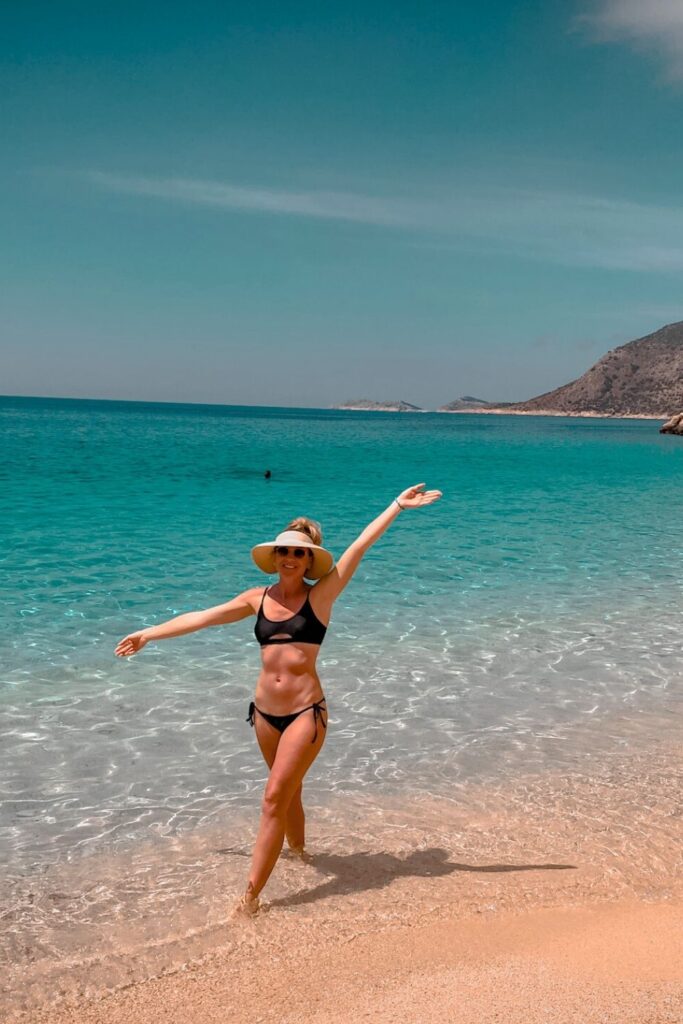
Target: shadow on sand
{"x":358,"y":872}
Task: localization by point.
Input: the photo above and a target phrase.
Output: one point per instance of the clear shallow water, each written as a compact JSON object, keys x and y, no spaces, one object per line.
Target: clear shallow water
{"x":542,"y":591}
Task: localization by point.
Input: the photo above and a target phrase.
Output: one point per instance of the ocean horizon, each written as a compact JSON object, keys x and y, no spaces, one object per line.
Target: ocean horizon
{"x":493,"y":411}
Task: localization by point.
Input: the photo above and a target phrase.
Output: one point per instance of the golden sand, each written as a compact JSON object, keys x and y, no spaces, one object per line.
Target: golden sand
{"x":620,"y":963}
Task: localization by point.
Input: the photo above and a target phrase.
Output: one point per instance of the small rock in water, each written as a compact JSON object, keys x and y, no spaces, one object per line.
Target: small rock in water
{"x":674,"y":425}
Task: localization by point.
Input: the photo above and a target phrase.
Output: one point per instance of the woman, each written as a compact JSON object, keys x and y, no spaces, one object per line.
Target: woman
{"x":288,"y":713}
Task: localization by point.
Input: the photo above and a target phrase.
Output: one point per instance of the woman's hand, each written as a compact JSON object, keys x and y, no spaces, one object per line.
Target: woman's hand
{"x":415,"y":497}
{"x":131,"y":644}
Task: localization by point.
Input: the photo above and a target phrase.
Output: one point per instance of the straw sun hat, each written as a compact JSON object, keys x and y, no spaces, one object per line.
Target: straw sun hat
{"x":264,"y":554}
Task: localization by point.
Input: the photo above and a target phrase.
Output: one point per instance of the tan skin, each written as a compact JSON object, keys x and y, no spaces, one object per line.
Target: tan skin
{"x":288,"y":681}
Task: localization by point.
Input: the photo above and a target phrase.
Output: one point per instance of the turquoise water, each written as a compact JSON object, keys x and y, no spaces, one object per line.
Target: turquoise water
{"x":527,"y":618}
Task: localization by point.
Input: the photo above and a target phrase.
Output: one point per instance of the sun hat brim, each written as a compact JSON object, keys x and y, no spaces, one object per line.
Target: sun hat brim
{"x":264,"y":554}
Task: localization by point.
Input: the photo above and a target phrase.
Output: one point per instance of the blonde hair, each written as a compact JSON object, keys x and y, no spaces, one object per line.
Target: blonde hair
{"x":308,"y":526}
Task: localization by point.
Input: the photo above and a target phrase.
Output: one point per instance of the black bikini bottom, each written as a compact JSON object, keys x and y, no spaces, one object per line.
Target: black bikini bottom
{"x":280,"y":722}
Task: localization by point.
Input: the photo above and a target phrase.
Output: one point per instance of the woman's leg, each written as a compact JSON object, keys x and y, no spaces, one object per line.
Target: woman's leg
{"x":295,"y":824}
{"x":294,"y":756}
{"x":268,"y":738}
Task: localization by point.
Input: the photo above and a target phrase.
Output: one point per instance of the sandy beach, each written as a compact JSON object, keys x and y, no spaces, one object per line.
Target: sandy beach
{"x":550,"y":899}
{"x":620,"y":963}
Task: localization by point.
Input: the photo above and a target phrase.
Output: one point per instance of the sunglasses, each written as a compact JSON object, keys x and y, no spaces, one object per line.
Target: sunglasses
{"x":296,"y":552}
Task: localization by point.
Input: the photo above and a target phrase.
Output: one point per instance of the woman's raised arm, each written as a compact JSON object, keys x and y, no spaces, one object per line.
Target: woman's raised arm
{"x":330,"y":586}
{"x":221,"y":614}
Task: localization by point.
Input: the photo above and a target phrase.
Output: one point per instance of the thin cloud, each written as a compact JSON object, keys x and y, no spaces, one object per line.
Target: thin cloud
{"x":325,"y":205}
{"x":655,"y":25}
{"x":570,"y":229}
{"x":564,"y":228}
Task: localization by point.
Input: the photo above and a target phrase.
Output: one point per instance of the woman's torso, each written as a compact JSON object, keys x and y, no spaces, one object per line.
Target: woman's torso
{"x":289,"y":679}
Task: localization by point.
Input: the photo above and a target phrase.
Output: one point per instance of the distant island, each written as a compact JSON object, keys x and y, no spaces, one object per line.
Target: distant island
{"x":469,"y":404}
{"x":643,"y":378}
{"x":367,"y":405}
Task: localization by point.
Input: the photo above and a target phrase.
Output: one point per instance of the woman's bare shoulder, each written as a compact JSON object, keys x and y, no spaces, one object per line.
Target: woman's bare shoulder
{"x":253,"y":596}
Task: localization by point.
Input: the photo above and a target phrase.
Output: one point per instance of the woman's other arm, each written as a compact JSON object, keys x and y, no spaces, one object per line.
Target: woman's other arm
{"x":330,"y":586}
{"x":220,"y":615}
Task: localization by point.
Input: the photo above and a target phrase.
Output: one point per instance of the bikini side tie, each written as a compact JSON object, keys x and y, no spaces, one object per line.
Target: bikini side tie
{"x":318,"y":714}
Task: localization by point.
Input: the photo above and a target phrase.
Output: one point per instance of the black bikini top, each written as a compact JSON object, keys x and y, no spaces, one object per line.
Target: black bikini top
{"x":304,"y":627}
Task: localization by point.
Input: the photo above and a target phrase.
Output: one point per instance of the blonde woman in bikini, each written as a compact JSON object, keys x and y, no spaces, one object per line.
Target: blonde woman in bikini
{"x":289,"y":712}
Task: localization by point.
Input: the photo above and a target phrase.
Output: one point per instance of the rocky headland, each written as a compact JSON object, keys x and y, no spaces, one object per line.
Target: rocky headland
{"x":641,"y":378}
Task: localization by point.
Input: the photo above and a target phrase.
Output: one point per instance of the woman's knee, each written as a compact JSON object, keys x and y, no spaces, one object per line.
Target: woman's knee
{"x":276,"y":801}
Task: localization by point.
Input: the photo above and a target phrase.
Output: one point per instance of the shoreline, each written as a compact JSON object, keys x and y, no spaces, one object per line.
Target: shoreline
{"x":555,"y":412}
{"x":501,"y":411}
{"x":613,"y":963}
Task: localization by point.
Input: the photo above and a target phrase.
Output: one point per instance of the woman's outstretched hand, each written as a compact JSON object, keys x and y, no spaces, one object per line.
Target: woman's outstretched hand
{"x":131,"y":644}
{"x":415,"y":497}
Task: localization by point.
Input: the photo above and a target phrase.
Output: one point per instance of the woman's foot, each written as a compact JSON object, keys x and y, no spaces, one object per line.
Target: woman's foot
{"x":300,"y":852}
{"x":248,"y":905}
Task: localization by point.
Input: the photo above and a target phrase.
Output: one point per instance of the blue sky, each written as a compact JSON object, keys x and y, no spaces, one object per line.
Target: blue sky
{"x":302,"y":203}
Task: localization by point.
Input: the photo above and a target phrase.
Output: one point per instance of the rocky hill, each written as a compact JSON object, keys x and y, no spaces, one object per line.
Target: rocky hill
{"x":466,"y":404}
{"x":643,"y":377}
{"x":366,"y":405}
